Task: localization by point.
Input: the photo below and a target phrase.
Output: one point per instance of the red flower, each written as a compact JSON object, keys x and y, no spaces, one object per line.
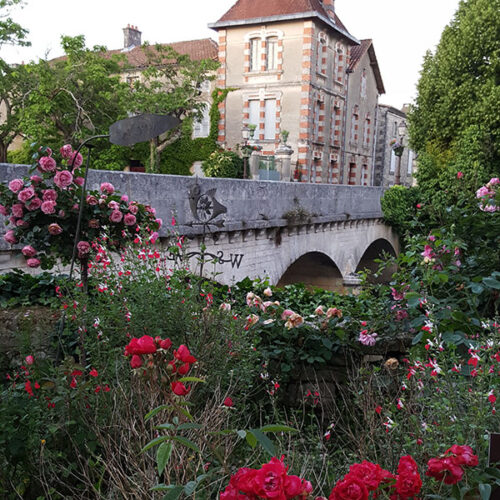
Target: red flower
{"x":378,"y":409}
{"x":183,"y":369}
{"x":350,"y":488}
{"x":180,"y":389}
{"x":270,"y":480}
{"x":28,"y":388}
{"x":136,"y":361}
{"x":444,"y":469}
{"x":408,"y":485}
{"x":463,"y":455}
{"x":93,"y":373}
{"x":371,"y":474}
{"x":183,"y":354}
{"x":144,"y":345}
{"x":228,"y":402}
{"x":165,"y":344}
{"x":297,"y":487}
{"x":73,"y":383}
{"x":407,"y":465}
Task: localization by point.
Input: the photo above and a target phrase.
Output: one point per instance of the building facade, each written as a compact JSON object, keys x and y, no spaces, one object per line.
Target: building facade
{"x":290,"y":68}
{"x":386,"y":162}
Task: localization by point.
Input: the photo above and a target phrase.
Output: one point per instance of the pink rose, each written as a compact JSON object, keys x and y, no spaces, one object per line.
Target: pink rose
{"x":75,"y":160}
{"x":35,"y":179}
{"x":9,"y":237}
{"x":18,"y":210}
{"x":33,"y":262}
{"x":61,"y":214}
{"x":124,"y":198}
{"x":3,"y":210}
{"x":159,"y":222}
{"x":116,"y":216}
{"x":154,"y":237}
{"x":55,"y":229}
{"x":460,"y":175}
{"x":49,"y":195}
{"x":47,"y":164}
{"x":133,"y":209}
{"x":26,"y":194}
{"x":63,"y":179}
{"x":83,"y":249}
{"x":107,"y":187}
{"x":34,"y":204}
{"x":79,"y":181}
{"x":494,"y":181}
{"x":22,"y":223}
{"x":66,"y":151}
{"x":48,"y":207}
{"x":29,"y":360}
{"x":92,"y":200}
{"x":28,"y":251}
{"x":15,"y":185}
{"x":114,"y":205}
{"x":129,"y":219}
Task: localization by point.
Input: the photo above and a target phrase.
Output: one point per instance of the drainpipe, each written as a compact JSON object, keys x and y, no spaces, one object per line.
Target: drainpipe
{"x":344,"y":124}
{"x":386,"y":127}
{"x":374,"y":149}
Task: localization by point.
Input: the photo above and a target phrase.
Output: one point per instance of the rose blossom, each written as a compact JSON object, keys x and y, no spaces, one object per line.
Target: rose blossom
{"x":3,"y":210}
{"x":368,"y":339}
{"x":159,"y":222}
{"x":350,"y":488}
{"x":22,"y":223}
{"x":92,"y":200}
{"x":75,"y":162}
{"x":47,"y":164}
{"x":294,"y":321}
{"x":136,"y":361}
{"x":114,"y":205}
{"x":180,"y":389}
{"x":28,"y":251}
{"x":55,"y":229}
{"x":142,"y":345}
{"x":107,"y":187}
{"x":133,"y":209}
{"x":26,"y":194}
{"x":49,"y":195}
{"x":116,"y":216}
{"x":33,"y":262}
{"x":319,"y":311}
{"x":34,"y":204}
{"x":9,"y":237}
{"x":29,"y":360}
{"x":17,"y":210}
{"x":61,"y":214}
{"x":269,"y":480}
{"x":63,"y":179}
{"x":66,"y":151}
{"x":35,"y":179}
{"x":129,"y":220}
{"x":124,"y":198}
{"x":79,"y":181}
{"x":83,"y":248}
{"x":15,"y":185}
{"x":48,"y":207}
{"x":268,"y":292}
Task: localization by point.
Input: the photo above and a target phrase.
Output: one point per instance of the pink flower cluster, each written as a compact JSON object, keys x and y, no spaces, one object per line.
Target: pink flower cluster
{"x":488,"y":194}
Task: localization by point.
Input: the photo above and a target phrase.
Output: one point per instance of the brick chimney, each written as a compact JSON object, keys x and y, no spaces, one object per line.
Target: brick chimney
{"x":131,"y":37}
{"x":329,"y":6}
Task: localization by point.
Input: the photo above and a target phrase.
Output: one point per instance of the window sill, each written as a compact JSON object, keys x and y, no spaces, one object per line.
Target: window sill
{"x":271,"y":72}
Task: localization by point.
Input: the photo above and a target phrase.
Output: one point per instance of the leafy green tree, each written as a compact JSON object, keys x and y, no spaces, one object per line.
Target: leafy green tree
{"x":11,"y":33}
{"x":455,"y":123}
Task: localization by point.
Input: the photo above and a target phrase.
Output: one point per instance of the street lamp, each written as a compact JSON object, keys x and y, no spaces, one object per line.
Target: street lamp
{"x":245,"y":133}
{"x":398,"y":148}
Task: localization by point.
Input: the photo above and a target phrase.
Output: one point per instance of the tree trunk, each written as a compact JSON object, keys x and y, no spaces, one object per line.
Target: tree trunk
{"x":3,"y":152}
{"x":154,"y":157}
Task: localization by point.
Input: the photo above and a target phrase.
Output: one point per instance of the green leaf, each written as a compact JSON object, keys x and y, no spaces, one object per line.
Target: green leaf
{"x":242,"y":434}
{"x":264,"y":441}
{"x":163,"y":455}
{"x":277,"y":428}
{"x":485,"y":491}
{"x":251,"y":439}
{"x":492,"y":283}
{"x":191,"y":379}
{"x":155,"y":442}
{"x":186,"y":442}
{"x":174,"y":493}
{"x":190,"y":487}
{"x":154,"y":412}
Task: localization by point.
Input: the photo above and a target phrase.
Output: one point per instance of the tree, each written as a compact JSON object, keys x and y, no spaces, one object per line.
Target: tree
{"x":11,"y":32}
{"x":455,"y":122}
{"x":170,"y":85}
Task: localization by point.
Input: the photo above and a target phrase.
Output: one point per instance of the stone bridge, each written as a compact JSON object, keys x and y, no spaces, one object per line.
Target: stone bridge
{"x":289,"y":232}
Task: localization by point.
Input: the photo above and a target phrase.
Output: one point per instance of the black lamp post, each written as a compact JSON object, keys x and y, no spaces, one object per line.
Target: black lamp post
{"x":245,"y":133}
{"x":398,"y":151}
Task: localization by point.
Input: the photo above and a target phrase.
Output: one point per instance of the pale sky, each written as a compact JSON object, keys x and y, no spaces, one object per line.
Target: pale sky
{"x":402,"y":30}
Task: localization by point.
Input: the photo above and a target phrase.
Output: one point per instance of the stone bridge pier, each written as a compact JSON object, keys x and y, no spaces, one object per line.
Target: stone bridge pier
{"x":289,"y":232}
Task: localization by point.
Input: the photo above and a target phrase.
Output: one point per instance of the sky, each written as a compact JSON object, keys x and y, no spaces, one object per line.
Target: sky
{"x":402,"y":30}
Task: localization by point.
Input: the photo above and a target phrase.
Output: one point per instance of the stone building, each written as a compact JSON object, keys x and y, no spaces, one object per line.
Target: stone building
{"x":386,"y":162}
{"x":288,"y":63}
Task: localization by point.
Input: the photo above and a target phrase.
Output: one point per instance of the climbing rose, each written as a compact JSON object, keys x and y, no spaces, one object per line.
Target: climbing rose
{"x":28,"y":251}
{"x":63,"y":179}
{"x":92,"y":200}
{"x":17,"y":210}
{"x":268,"y":292}
{"x":107,"y":187}
{"x":297,"y":487}
{"x":184,"y":355}
{"x":269,"y":480}
{"x":66,"y":151}
{"x":129,"y":219}
{"x":47,"y":164}
{"x":55,"y":229}
{"x":33,"y":262}
{"x":319,"y":311}
{"x":3,"y":210}
{"x":9,"y":237}
{"x":407,"y":465}
{"x":133,"y":209}
{"x":143,"y":345}
{"x":166,"y":344}
{"x":116,"y":216}
{"x":371,"y":474}
{"x":83,"y":249}
{"x":49,"y":195}
{"x":408,"y":485}
{"x":368,"y":339}
{"x":35,"y":179}
{"x":180,"y":389}
{"x":34,"y":204}
{"x":48,"y":207}
{"x":350,"y":488}
{"x":26,"y":194}
{"x":80,"y":181}
{"x":15,"y":185}
{"x":77,"y":161}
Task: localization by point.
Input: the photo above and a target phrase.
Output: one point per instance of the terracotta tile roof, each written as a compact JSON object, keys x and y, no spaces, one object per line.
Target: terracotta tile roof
{"x":197,"y":50}
{"x":244,"y":11}
{"x":358,"y":52}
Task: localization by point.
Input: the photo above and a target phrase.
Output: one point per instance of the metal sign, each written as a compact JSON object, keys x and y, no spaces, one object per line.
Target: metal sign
{"x":140,"y":128}
{"x":204,"y":207}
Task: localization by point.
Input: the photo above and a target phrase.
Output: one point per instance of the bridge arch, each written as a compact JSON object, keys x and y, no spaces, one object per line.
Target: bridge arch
{"x":376,"y":250}
{"x":314,"y":269}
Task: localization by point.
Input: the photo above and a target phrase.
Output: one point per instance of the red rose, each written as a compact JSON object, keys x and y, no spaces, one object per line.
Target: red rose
{"x":136,"y":361}
{"x":463,"y":455}
{"x":297,"y":487}
{"x":444,"y":469}
{"x":368,"y":472}
{"x":228,"y":402}
{"x":407,"y":466}
{"x":270,"y":480}
{"x":350,"y":488}
{"x":408,"y":485}
{"x":180,"y":389}
{"x":243,"y":481}
{"x":144,"y":345}
{"x":183,"y":354}
{"x":183,"y":369}
{"x":165,"y":344}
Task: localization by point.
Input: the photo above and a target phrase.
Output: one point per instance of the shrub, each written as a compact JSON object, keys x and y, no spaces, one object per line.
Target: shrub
{"x":223,"y":164}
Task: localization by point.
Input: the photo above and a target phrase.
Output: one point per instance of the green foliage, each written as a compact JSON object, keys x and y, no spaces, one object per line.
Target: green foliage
{"x":398,"y":204}
{"x":223,"y":164}
{"x":11,"y":32}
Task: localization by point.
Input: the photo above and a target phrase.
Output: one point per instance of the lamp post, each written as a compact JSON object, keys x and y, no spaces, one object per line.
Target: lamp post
{"x":245,"y":133}
{"x":399,"y":148}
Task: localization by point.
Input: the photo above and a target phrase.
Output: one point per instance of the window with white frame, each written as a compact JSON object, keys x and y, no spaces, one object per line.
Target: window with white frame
{"x":321,"y":49}
{"x":392,"y":168}
{"x":270,"y":119}
{"x":254,"y":113}
{"x":255,"y":54}
{"x":201,"y":126}
{"x":271,"y":53}
{"x":363,"y":84}
{"x":411,"y":157}
{"x":355,"y":124}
